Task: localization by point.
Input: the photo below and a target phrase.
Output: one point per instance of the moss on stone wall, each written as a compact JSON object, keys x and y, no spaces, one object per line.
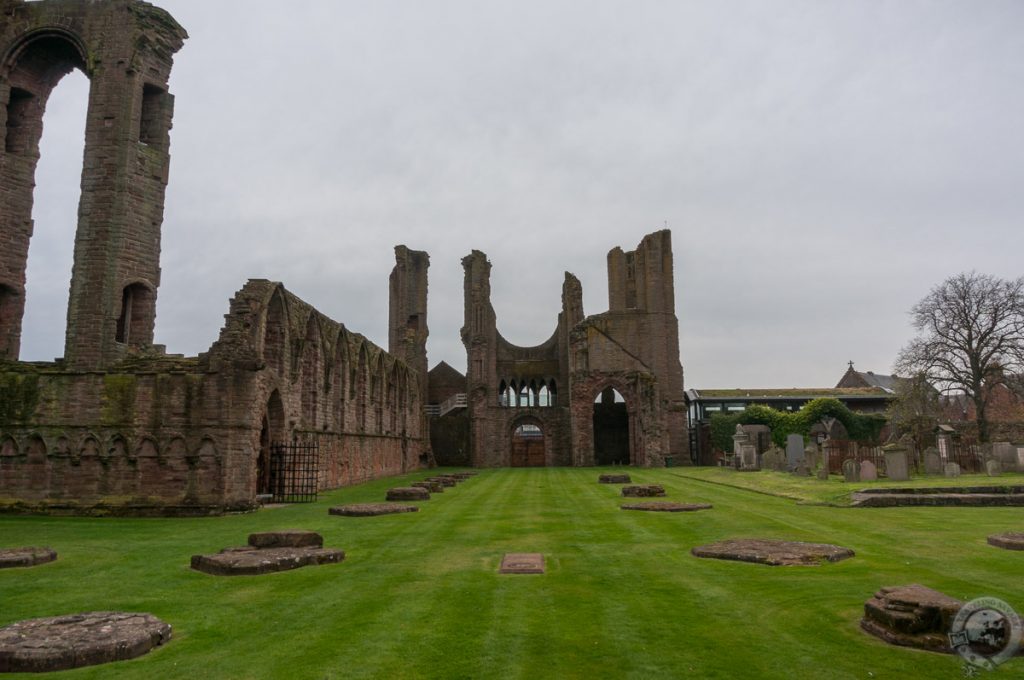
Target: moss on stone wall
{"x":118,"y":399}
{"x":19,"y":397}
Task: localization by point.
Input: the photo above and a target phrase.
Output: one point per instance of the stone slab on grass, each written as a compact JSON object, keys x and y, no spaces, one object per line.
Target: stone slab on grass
{"x":665,"y":506}
{"x":444,"y":479}
{"x":643,"y":491}
{"x":408,"y":493}
{"x":615,"y":479}
{"x":248,"y":561}
{"x":432,"y":487}
{"x":289,"y":538}
{"x":26,"y":557}
{"x":62,"y":642}
{"x":1008,"y":541}
{"x":371,"y":509}
{"x":522,"y":563}
{"x":911,"y":616}
{"x":773,"y":552}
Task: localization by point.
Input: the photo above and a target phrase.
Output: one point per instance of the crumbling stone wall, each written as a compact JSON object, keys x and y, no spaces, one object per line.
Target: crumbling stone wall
{"x":164,"y":435}
{"x":633,"y":348}
{"x":117,"y":426}
{"x":125,"y":47}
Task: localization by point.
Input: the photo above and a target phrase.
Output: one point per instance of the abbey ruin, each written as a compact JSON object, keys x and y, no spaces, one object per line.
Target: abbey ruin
{"x":118,"y":425}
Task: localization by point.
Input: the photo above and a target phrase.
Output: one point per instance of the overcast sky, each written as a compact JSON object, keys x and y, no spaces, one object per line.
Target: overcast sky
{"x":821,"y":165}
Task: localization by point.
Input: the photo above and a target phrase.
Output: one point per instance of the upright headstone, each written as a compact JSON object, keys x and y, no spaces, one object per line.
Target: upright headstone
{"x":993,"y":467}
{"x":868,"y":471}
{"x":769,"y":460}
{"x":896,"y":465}
{"x":811,"y":456}
{"x":739,"y":439}
{"x":952,"y":470}
{"x":748,"y":457}
{"x":932,"y":461}
{"x":851,"y":470}
{"x":794,"y":451}
{"x":823,"y":470}
{"x":1020,"y":459}
{"x":778,"y":459}
{"x":1005,"y":453}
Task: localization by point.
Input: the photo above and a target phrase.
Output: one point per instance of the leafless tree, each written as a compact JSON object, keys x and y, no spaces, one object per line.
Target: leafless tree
{"x":971,"y":338}
{"x":915,"y":410}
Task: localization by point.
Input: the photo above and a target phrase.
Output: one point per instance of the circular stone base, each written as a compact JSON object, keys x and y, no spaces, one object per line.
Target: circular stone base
{"x":371,"y":509}
{"x":1010,"y":541}
{"x":666,"y":506}
{"x":62,"y":642}
{"x":26,"y":557}
{"x":772,"y":552}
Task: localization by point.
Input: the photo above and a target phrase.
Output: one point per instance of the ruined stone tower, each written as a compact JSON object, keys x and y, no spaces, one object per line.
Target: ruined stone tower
{"x":125,"y":48}
{"x":603,"y":389}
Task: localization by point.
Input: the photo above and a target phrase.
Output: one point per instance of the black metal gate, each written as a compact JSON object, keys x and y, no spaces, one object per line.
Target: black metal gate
{"x":294,"y":471}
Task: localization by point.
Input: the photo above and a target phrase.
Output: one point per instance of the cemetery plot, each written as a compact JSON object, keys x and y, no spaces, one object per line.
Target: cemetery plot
{"x":1008,"y":541}
{"x":911,"y":616}
{"x":267,"y":553}
{"x":62,"y":642}
{"x":614,"y":479}
{"x":371,"y":509}
{"x":25,"y":557}
{"x":643,"y":491}
{"x":773,"y":552}
{"x":408,"y":493}
{"x":665,"y":506}
{"x":522,"y":563}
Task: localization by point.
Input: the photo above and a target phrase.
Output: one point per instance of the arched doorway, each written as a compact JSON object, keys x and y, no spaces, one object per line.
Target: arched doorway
{"x":528,"y":449}
{"x":611,"y":429}
{"x":271,"y":432}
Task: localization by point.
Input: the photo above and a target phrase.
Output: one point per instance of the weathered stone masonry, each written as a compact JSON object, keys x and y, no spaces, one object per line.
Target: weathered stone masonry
{"x":117,"y":425}
{"x":551,"y":389}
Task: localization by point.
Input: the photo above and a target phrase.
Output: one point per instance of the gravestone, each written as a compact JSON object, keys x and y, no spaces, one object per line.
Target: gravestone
{"x":794,"y":451}
{"x":1020,"y":460}
{"x":823,"y":470}
{"x":739,"y":440}
{"x":868,"y":471}
{"x":770,"y":460}
{"x":801,"y":470}
{"x":522,"y":563}
{"x":993,"y":467}
{"x":911,"y":616}
{"x":1005,"y":453}
{"x":748,"y":457}
{"x":851,"y":470}
{"x":932,"y":461}
{"x":952,"y":470}
{"x":896,"y":465}
{"x":59,"y":643}
{"x":811,"y":456}
{"x":26,"y":557}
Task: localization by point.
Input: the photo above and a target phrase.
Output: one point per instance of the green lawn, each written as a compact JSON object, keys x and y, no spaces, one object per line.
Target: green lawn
{"x":418,"y":595}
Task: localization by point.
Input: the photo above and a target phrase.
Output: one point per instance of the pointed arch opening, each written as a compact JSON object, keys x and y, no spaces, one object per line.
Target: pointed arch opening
{"x":272,"y":431}
{"x":612,"y":442}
